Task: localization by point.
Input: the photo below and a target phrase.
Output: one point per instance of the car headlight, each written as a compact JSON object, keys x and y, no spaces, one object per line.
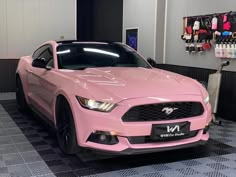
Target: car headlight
{"x":96,"y":105}
{"x":207,"y":99}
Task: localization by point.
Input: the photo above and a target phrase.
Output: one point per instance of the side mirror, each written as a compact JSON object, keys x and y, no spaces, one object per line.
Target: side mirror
{"x":39,"y":63}
{"x":152,"y":62}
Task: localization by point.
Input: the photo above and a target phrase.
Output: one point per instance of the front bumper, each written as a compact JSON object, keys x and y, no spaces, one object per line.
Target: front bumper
{"x":151,"y":150}
{"x":87,"y":121}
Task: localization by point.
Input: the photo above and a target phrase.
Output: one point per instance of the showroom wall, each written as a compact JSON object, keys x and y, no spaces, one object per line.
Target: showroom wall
{"x":25,"y":24}
{"x":99,"y":20}
{"x":142,"y":15}
{"x":175,"y":47}
{"x":198,"y":66}
{"x":170,"y":48}
{"x":85,"y":20}
{"x":160,"y":30}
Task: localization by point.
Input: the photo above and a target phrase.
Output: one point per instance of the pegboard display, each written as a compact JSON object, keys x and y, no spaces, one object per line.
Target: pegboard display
{"x":204,"y":32}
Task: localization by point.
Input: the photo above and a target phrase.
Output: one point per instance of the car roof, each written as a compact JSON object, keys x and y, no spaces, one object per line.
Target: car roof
{"x":82,"y":42}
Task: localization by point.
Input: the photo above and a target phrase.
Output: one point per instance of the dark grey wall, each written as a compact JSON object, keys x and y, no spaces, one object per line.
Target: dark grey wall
{"x":85,"y":21}
{"x":99,"y":20}
{"x":108,"y":20}
{"x":7,"y":74}
{"x":175,"y":47}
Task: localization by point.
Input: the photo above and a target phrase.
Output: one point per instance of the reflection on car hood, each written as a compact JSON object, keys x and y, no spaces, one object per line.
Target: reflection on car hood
{"x":117,"y":84}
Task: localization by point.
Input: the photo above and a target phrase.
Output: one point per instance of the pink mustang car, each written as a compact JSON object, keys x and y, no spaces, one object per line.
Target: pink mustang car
{"x":105,"y":96}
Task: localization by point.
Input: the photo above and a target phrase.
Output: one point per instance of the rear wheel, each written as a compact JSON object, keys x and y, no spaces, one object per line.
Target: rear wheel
{"x":20,"y":96}
{"x":66,"y":133}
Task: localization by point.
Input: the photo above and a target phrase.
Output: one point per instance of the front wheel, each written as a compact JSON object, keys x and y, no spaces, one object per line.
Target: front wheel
{"x":66,"y":133}
{"x":20,"y":96}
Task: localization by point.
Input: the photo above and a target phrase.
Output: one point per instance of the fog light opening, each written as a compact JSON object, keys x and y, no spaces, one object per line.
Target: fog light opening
{"x":103,"y":138}
{"x":205,"y":130}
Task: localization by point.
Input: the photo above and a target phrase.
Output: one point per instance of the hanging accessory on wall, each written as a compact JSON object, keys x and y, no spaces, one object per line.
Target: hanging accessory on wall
{"x":185,"y":24}
{"x":196,"y":37}
{"x":199,"y":46}
{"x":217,"y":33}
{"x":192,"y":47}
{"x":200,"y":32}
{"x":227,"y":26}
{"x":226,"y":33}
{"x":206,"y":45}
{"x":214,"y":22}
{"x":208,"y":24}
{"x":226,"y":23}
{"x":188,"y":36}
{"x":187,"y":46}
{"x":234,"y":35}
{"x":189,"y":30}
{"x":196,"y":25}
{"x":225,"y":18}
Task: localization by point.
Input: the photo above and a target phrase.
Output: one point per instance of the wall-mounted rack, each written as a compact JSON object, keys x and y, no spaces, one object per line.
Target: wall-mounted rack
{"x":201,"y":31}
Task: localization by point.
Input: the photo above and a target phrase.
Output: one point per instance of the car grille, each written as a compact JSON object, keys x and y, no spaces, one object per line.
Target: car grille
{"x":158,"y":112}
{"x":148,"y":139}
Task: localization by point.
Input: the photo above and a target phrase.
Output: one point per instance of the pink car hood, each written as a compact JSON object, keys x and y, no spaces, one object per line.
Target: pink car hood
{"x":117,"y":84}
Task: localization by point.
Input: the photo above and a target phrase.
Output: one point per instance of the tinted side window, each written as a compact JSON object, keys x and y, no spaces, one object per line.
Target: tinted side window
{"x":38,"y":52}
{"x":45,"y":52}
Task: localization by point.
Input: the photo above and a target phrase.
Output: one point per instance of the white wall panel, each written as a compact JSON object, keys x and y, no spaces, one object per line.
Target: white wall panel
{"x":25,"y":24}
{"x":141,"y":14}
{"x":3,"y":29}
{"x":68,"y":19}
{"x":31,"y":26}
{"x":47,"y":28}
{"x":15,"y":30}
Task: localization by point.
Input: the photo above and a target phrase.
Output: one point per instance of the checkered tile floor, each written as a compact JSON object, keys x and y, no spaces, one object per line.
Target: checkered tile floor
{"x":27,"y":148}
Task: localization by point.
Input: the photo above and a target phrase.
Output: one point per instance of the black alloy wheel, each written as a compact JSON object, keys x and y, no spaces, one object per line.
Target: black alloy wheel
{"x":66,"y":133}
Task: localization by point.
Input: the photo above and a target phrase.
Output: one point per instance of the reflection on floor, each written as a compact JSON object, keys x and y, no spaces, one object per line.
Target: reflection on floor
{"x":27,"y":148}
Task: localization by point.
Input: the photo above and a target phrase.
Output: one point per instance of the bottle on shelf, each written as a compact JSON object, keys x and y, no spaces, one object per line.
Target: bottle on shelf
{"x":224,"y":51}
{"x":218,"y":50}
{"x":221,"y":51}
{"x":229,"y":51}
{"x":234,"y":48}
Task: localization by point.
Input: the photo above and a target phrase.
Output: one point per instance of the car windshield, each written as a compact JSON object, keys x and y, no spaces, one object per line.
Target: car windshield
{"x":78,"y":56}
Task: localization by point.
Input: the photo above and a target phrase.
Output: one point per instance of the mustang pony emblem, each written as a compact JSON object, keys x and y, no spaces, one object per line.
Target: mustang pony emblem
{"x":169,"y":110}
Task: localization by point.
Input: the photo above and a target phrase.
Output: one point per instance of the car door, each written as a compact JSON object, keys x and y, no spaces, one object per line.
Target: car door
{"x":40,"y":82}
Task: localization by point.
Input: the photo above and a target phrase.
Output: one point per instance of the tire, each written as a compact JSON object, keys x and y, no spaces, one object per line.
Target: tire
{"x":20,"y":96}
{"x":66,"y":134}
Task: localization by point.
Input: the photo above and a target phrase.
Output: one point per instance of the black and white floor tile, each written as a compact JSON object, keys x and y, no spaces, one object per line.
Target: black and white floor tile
{"x":28,"y":148}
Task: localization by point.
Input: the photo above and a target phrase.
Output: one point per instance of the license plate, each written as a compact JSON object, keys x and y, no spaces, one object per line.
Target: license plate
{"x":170,"y":131}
